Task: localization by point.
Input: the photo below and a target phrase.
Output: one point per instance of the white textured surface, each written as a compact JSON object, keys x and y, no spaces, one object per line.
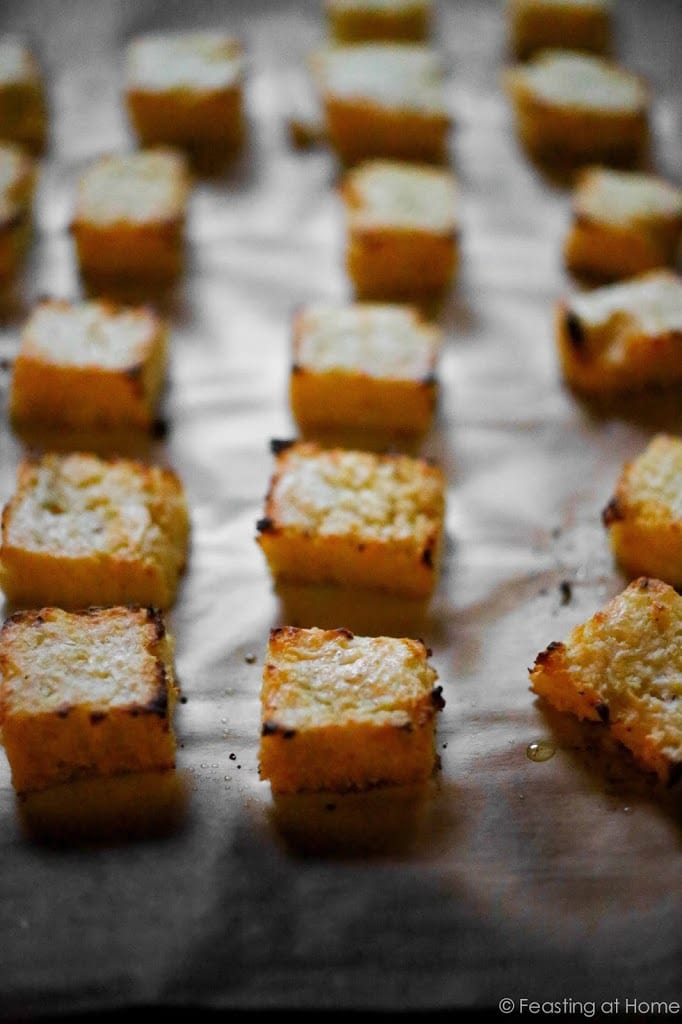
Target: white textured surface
{"x":627,"y":197}
{"x":90,"y":334}
{"x":201,"y":60}
{"x":653,"y":301}
{"x":404,"y":195}
{"x":403,"y":76}
{"x":580,"y":80}
{"x":382,"y":341}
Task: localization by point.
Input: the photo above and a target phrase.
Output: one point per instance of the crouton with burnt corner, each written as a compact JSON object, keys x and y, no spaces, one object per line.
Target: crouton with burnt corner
{"x":344,"y":712}
{"x":624,"y":337}
{"x":83,"y":530}
{"x":354,"y":519}
{"x":643,"y":518}
{"x":86,"y":694}
{"x":623,"y":667}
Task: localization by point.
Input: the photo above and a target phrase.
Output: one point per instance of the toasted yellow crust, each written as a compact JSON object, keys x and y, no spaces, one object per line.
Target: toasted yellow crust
{"x":542,"y":24}
{"x":631,"y":346}
{"x":85,"y":694}
{"x":83,"y":531}
{"x":342,"y":712}
{"x":186,"y":90}
{"x":572,"y":109}
{"x":402,"y":231}
{"x":89,"y":364}
{"x":624,"y":667}
{"x":364,"y":365}
{"x":644,"y":517}
{"x":130,"y":214}
{"x":23,"y":106}
{"x":396,"y":114}
{"x":360,"y":21}
{"x":17,"y":186}
{"x":354,"y":519}
{"x":624,"y":224}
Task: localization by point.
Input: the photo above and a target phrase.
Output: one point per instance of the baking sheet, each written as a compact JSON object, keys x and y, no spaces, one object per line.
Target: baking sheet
{"x":508,"y":878}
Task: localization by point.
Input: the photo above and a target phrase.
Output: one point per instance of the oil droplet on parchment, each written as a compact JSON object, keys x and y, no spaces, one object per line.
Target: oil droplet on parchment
{"x":540,"y":750}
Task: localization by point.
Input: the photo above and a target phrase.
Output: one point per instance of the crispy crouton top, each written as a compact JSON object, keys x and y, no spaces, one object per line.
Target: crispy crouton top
{"x":630,"y":654}
{"x":339,"y":492}
{"x":88,"y":334}
{"x":378,"y":340}
{"x":102,"y":658}
{"x":623,"y":197}
{"x":76,"y":505}
{"x":320,"y":677}
{"x":394,"y":193}
{"x":200,"y":60}
{"x":570,"y":79}
{"x":652,"y":300}
{"x":149,"y":185}
{"x":406,"y":75}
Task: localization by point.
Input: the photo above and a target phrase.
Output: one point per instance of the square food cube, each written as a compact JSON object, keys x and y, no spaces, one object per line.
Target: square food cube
{"x":624,"y":223}
{"x":81,"y":530}
{"x":89,"y":364}
{"x":644,"y":517}
{"x":343,"y":712}
{"x":364,"y":366}
{"x":130,"y":215}
{"x":185,"y":89}
{"x":576,"y":108}
{"x":355,"y":21}
{"x":85,"y":694}
{"x":535,"y":25}
{"x":623,"y":667}
{"x":402,"y":230}
{"x":383,"y":100}
{"x":353,"y":519}
{"x":623,"y":337}
{"x":23,"y":105}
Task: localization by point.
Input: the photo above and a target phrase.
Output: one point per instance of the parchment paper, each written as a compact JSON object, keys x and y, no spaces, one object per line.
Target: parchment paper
{"x":542,"y":881}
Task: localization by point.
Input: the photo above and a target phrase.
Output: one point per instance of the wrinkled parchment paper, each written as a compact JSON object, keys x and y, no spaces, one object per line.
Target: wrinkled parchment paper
{"x":554,"y":881}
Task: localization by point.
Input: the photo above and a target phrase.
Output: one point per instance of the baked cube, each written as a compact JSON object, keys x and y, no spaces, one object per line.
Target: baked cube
{"x":23,"y":108}
{"x":644,"y":517}
{"x":574,"y":108}
{"x":85,"y":694}
{"x":357,"y":21}
{"x":623,"y":337}
{"x":364,"y":366}
{"x":383,"y":100}
{"x":81,"y":530}
{"x":565,"y":24}
{"x":353,"y":519}
{"x":130,"y":214}
{"x":17,"y":184}
{"x":185,"y":89}
{"x":89,"y":364}
{"x":624,"y":223}
{"x":402,"y":230}
{"x":624,"y":667}
{"x":343,"y":712}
